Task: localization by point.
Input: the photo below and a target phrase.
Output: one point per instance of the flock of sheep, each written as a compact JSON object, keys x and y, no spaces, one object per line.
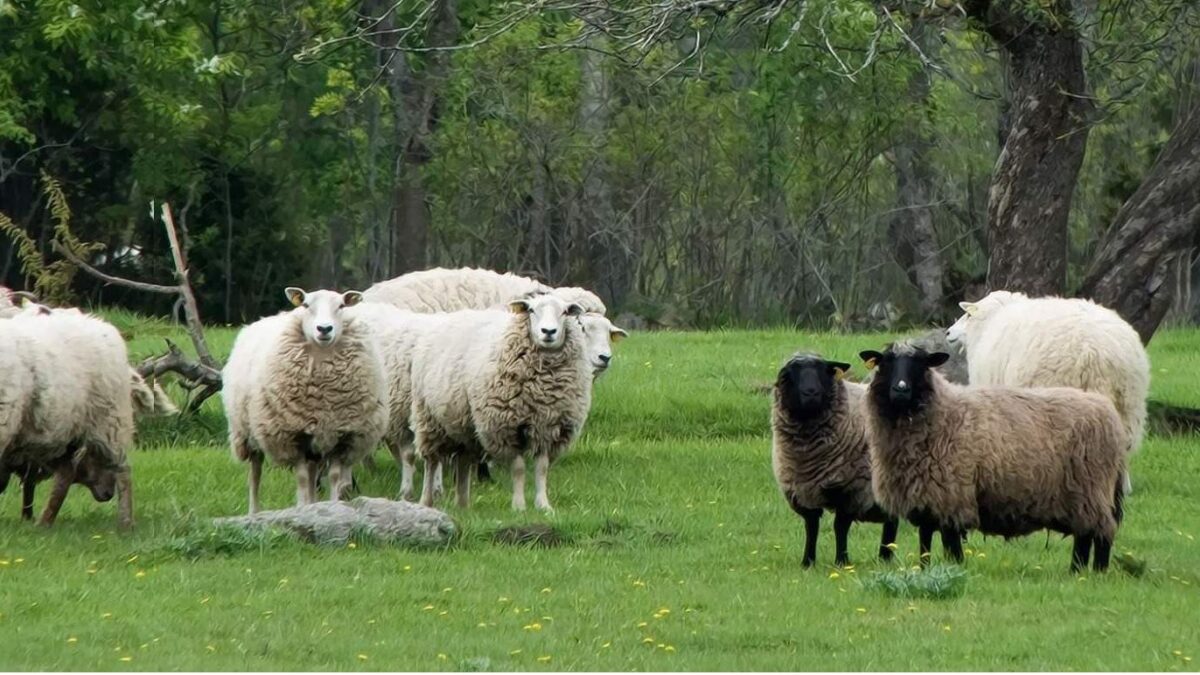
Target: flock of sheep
{"x":1039,"y":439}
{"x":472,"y":366}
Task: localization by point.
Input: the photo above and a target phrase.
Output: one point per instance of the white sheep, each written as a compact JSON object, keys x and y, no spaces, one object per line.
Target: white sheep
{"x":1015,"y":340}
{"x":501,"y":385}
{"x":450,"y":290}
{"x":66,"y":408}
{"x":307,"y":388}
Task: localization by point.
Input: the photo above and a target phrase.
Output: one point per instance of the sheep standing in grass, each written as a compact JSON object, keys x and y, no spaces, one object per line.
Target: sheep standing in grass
{"x":819,"y":452}
{"x":1019,"y":341}
{"x":306,"y":388}
{"x":451,"y":290}
{"x":66,"y":409}
{"x":503,"y":386}
{"x":1001,"y":460}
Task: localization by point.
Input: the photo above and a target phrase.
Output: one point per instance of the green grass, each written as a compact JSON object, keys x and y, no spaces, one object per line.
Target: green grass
{"x":672,"y":551}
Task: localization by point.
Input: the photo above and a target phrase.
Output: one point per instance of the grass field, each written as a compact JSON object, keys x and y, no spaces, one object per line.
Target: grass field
{"x":681,"y":555}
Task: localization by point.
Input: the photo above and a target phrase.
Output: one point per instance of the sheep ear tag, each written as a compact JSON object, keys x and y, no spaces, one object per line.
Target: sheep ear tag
{"x":839,"y":374}
{"x":870,"y":364}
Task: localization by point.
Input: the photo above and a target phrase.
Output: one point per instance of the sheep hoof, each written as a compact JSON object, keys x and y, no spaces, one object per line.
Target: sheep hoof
{"x":807,"y":562}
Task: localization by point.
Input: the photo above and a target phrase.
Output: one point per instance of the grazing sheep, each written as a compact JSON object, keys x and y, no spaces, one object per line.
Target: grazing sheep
{"x":1001,"y":460}
{"x":451,"y":290}
{"x":307,"y":388}
{"x":501,"y":385}
{"x":1015,"y":340}
{"x":66,"y":409}
{"x":819,"y":452}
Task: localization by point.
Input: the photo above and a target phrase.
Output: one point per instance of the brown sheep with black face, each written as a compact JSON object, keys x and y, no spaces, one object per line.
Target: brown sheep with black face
{"x":819,"y":452}
{"x":1001,"y":460}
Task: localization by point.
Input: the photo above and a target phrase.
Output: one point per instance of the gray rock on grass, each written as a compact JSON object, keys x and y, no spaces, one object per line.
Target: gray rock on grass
{"x":337,"y":522}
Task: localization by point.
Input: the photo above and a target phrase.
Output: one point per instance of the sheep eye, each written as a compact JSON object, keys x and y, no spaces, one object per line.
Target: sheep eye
{"x":304,"y":305}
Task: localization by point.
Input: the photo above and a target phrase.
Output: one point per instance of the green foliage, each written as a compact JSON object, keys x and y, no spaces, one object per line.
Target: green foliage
{"x":938,"y":582}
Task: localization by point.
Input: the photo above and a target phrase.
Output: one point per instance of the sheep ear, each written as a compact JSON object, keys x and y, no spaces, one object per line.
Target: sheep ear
{"x":870,"y":358}
{"x":970,"y":308}
{"x":839,"y":369}
{"x":294,"y":295}
{"x":574,"y":309}
{"x":936,"y":359}
{"x":518,"y":306}
{"x":617,"y":334}
{"x":351,"y":298}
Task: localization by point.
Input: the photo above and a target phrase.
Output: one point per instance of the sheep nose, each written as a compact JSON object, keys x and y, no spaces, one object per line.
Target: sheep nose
{"x":901,"y":386}
{"x":325,"y":329}
{"x":813,"y":391}
{"x":549,"y":332}
{"x":605,"y":358}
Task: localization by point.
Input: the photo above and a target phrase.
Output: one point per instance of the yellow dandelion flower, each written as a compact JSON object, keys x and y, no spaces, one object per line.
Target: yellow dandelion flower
{"x":514,"y":652}
{"x":443,"y":613}
{"x":606,"y":645}
{"x":861,"y":610}
{"x":1177,"y":652}
{"x":664,"y":611}
{"x":97,"y":536}
{"x":661,"y":646}
{"x":427,"y":608}
{"x":4,"y":563}
{"x":211,"y":648}
{"x":893,"y":546}
{"x":370,"y":621}
{"x":481,"y":625}
{"x":669,"y":648}
{"x":126,"y":659}
{"x":204,"y":601}
{"x":106,"y":615}
{"x":543,"y":659}
{"x":533,"y":627}
{"x":352,"y":545}
{"x":834,"y":575}
{"x":362,"y":657}
{"x":140,"y":574}
{"x":1187,"y":659}
{"x":447,"y":589}
{"x":503,"y":599}
{"x":642,"y":624}
{"x":443,"y":657}
{"x":546,"y":590}
{"x":946,"y":628}
{"x":132,"y":560}
{"x":72,"y":640}
{"x":18,"y":561}
{"x":639,"y":583}
{"x":408,"y":568}
{"x":648,"y":641}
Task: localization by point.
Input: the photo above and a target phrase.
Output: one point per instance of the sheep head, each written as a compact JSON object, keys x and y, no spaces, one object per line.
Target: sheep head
{"x":807,"y":385}
{"x":321,"y":316}
{"x":599,"y":334}
{"x":547,"y":316}
{"x":903,"y":383}
{"x":976,"y":313}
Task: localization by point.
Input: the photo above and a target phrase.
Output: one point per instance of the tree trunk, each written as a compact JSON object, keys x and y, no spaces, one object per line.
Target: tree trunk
{"x":912,"y":231}
{"x":1036,"y":172}
{"x":1132,"y":272}
{"x":610,"y":258}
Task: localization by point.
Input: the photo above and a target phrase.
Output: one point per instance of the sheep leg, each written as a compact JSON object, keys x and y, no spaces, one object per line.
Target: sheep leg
{"x":483,"y":472}
{"x":518,"y":479}
{"x":841,"y":532}
{"x":314,"y":474}
{"x":408,"y":468}
{"x":1103,"y":550}
{"x":925,"y":534}
{"x":432,"y":466}
{"x":541,"y":470}
{"x":812,"y":527}
{"x":256,"y":466}
{"x":337,"y":481}
{"x":28,"y":487}
{"x":887,"y":543}
{"x":124,"y":500}
{"x":462,"y":479}
{"x":303,"y":483}
{"x":952,"y":543}
{"x":1079,"y":556}
{"x":439,"y":482}
{"x":64,"y":475}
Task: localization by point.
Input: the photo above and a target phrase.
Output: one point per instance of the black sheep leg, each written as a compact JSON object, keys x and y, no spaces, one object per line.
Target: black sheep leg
{"x":483,"y":472}
{"x":1079,"y":556}
{"x":925,"y":533}
{"x":812,"y":525}
{"x":952,"y":543}
{"x":841,"y":532}
{"x":887,"y":542}
{"x":1103,"y":552}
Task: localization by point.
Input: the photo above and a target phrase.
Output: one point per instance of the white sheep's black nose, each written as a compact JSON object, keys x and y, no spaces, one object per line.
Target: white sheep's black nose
{"x":325,"y":329}
{"x":549,"y":332}
{"x":605,"y":358}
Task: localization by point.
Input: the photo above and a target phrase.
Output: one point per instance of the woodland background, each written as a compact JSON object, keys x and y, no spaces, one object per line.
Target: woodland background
{"x":823,"y":163}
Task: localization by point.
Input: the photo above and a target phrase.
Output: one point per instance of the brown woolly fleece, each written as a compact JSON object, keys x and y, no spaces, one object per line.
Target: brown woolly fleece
{"x":1003,"y":460}
{"x":823,"y":463}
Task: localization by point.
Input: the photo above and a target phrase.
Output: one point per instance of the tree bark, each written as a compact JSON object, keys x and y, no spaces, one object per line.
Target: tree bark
{"x":1043,"y":146}
{"x":610,"y":255}
{"x":913,"y":234}
{"x":1132,"y":271}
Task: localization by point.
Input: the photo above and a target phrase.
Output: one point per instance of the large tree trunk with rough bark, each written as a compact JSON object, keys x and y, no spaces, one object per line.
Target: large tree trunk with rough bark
{"x":1043,"y":147}
{"x":610,"y":245}
{"x":911,"y":230}
{"x":1132,"y":271}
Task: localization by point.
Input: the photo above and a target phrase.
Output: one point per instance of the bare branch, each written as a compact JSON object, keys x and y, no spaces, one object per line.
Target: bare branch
{"x":108,"y":278}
